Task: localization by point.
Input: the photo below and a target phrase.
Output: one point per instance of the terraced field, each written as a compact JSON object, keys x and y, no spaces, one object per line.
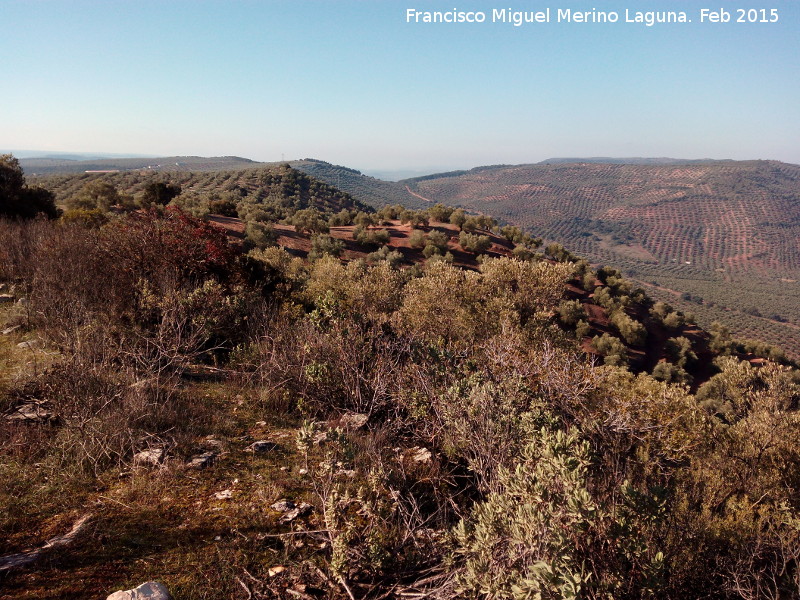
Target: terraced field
{"x":737,"y":216}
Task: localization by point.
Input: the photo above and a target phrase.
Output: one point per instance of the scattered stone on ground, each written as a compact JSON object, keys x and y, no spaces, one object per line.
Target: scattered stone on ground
{"x":30,"y":344}
{"x":283,"y":505}
{"x":10,"y":330}
{"x":212,"y":442}
{"x":223,"y":495}
{"x":276,"y":570}
{"x":353,"y":421}
{"x":262,"y":446}
{"x":22,"y":302}
{"x":151,"y":456}
{"x":33,"y":412}
{"x":201,"y":461}
{"x":152,"y":590}
{"x":421,"y":455}
{"x":301,"y":510}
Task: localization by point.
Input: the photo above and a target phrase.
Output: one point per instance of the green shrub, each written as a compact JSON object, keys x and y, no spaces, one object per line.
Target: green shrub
{"x":478,"y":244}
{"x":571,"y":311}
{"x":671,"y":373}
{"x":530,"y":538}
{"x":417,"y":238}
{"x":260,"y":235}
{"x":225,"y":207}
{"x":631,"y":330}
{"x":612,"y":350}
{"x":322,"y":245}
{"x":371,"y":237}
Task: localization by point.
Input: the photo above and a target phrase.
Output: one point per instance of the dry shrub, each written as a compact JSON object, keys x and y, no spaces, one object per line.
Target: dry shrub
{"x":327,"y":365}
{"x":103,"y":416}
{"x":152,"y":287}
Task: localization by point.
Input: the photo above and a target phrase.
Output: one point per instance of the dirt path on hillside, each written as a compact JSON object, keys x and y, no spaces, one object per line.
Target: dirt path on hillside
{"x":408,"y":189}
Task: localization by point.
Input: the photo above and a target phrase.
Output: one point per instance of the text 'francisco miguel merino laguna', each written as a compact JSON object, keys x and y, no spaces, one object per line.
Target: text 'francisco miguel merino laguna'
{"x":560,"y":15}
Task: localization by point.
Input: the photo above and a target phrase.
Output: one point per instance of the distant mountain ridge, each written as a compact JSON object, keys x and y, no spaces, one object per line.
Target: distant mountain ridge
{"x":636,"y":161}
{"x":55,"y":165}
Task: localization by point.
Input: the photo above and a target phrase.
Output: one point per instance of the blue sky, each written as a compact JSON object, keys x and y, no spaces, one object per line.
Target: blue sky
{"x":352,"y":83}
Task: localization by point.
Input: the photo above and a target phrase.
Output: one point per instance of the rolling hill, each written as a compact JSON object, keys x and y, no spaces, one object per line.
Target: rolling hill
{"x":716,"y":238}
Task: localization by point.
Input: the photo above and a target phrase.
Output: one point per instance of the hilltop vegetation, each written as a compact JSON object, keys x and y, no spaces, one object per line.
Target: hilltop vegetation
{"x":341,"y":419}
{"x":278,"y":190}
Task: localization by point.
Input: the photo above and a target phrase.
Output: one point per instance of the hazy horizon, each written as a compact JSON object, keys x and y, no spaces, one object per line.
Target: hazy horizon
{"x":389,"y":174}
{"x":354,"y":83}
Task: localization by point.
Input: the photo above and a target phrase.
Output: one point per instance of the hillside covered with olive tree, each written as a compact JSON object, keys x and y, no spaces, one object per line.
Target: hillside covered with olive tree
{"x":715,"y":238}
{"x":277,"y":392}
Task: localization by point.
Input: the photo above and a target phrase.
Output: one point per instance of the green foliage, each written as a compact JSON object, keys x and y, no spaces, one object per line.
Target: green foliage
{"x":417,"y":238}
{"x":440,"y":213}
{"x":529,"y":539}
{"x":371,"y":237}
{"x":558,"y":253}
{"x":414,"y":218}
{"x":322,"y":245}
{"x":477,"y":244}
{"x":436,"y":244}
{"x":673,"y":320}
{"x":679,"y":350}
{"x":343,"y":218}
{"x":523,"y":253}
{"x":631,"y":330}
{"x":94,"y":217}
{"x":613,"y":351}
{"x":582,"y":329}
{"x":470,"y":225}
{"x":604,"y":298}
{"x":159,"y":193}
{"x":260,"y":235}
{"x":393,"y":258}
{"x":364,"y":219}
{"x":671,"y":373}
{"x":458,"y":217}
{"x":571,"y":311}
{"x":309,"y":220}
{"x":512,"y":233}
{"x":18,"y":200}
{"x":388,"y":213}
{"x":588,"y":281}
{"x":226,"y":207}
{"x":96,"y":194}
